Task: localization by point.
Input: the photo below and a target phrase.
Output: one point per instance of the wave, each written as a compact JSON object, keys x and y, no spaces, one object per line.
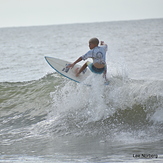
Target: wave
{"x":24,"y":103}
{"x":55,"y":105}
{"x":135,"y":104}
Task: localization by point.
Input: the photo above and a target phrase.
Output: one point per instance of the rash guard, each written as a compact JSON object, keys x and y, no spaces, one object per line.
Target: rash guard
{"x":98,"y":54}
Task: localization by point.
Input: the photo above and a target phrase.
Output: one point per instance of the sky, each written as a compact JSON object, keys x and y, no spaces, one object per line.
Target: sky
{"x":15,"y":13}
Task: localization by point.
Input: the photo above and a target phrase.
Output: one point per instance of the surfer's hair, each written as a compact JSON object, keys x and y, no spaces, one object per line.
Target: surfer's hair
{"x":94,"y":41}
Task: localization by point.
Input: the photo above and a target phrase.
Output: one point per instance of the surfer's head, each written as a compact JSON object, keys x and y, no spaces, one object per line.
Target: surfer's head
{"x":93,"y":42}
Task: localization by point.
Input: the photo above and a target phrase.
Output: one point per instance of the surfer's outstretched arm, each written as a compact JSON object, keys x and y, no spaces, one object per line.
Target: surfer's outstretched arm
{"x":72,"y":65}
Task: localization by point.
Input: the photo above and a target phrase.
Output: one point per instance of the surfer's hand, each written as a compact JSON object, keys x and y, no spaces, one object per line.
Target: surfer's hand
{"x":102,"y":43}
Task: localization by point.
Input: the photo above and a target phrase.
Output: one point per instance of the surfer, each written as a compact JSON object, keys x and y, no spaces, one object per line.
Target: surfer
{"x":98,"y":54}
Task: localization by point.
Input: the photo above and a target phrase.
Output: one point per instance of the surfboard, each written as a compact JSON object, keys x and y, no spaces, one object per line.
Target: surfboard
{"x":61,"y":67}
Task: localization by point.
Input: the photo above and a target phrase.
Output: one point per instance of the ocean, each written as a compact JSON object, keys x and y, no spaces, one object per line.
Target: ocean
{"x":45,"y":117}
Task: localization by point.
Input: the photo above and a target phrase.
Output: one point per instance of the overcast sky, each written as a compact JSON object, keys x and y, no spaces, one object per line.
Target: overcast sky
{"x":47,"y":12}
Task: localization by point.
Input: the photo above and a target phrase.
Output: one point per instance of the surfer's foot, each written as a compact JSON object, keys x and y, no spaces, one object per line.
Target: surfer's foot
{"x":77,"y":72}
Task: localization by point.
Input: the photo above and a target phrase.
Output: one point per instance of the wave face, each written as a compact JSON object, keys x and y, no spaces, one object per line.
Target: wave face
{"x":55,"y":106}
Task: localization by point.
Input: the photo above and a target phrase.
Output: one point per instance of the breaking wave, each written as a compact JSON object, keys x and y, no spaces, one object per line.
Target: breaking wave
{"x":56,"y":106}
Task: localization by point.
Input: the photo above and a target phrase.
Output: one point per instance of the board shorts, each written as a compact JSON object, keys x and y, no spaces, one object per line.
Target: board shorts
{"x":94,"y":69}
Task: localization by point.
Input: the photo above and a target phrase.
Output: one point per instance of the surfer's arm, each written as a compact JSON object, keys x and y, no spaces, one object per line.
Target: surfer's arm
{"x":78,"y":60}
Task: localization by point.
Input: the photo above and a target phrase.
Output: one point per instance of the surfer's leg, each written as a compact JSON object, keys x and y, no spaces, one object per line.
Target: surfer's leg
{"x":81,"y":69}
{"x":104,"y":75}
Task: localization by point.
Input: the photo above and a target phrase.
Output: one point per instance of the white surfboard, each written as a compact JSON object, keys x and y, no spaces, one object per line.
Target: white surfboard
{"x":61,"y":67}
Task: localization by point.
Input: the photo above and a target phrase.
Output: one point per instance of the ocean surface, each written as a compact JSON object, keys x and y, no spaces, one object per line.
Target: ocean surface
{"x":46,"y":118}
